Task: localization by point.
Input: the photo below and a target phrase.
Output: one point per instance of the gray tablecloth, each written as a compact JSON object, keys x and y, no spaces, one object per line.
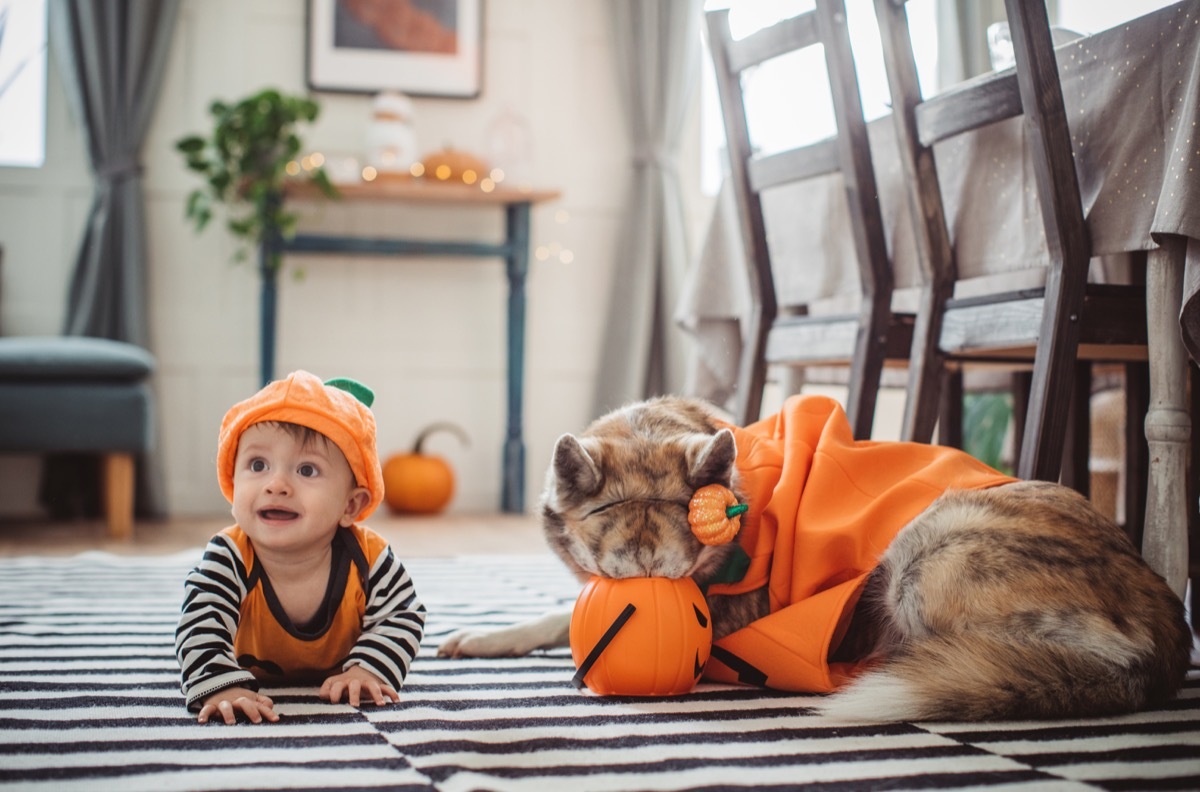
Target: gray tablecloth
{"x":1132,"y":95}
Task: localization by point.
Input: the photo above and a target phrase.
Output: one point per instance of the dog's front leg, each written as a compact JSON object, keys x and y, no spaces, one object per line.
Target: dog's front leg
{"x":547,"y":632}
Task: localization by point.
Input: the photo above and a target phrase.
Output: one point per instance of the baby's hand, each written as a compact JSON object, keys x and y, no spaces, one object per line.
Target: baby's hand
{"x":355,"y":682}
{"x":228,"y":702}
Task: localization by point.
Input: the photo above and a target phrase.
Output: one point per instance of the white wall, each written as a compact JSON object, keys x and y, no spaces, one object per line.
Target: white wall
{"x":427,"y":335}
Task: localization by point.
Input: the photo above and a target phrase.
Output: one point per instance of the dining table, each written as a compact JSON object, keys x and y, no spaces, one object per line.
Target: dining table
{"x":1132,"y":96}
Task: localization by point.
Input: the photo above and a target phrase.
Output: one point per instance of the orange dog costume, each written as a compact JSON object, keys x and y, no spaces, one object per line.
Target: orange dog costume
{"x":823,"y":507}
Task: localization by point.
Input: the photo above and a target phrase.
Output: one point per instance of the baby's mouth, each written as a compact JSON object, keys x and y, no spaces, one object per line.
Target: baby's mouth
{"x":277,"y":514}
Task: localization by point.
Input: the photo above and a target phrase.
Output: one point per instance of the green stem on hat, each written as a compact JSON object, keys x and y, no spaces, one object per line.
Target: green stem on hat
{"x":354,"y":388}
{"x":736,"y":509}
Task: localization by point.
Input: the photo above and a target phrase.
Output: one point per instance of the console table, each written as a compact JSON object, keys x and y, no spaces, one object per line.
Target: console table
{"x":513,"y":249}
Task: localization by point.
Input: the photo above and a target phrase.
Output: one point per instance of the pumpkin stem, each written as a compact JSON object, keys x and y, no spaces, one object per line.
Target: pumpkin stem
{"x":438,"y":427}
{"x":736,"y":509}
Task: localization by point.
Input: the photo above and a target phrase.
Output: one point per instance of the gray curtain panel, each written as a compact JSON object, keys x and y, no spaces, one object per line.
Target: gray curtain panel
{"x":714,"y":305}
{"x":657,"y":53}
{"x":112,"y":55}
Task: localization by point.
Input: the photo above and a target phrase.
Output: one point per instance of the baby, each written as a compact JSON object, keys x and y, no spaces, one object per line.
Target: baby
{"x":297,"y":591}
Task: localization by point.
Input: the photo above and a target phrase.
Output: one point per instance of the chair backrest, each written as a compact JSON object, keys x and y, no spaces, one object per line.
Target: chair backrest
{"x":751,"y":174}
{"x":1033,"y":91}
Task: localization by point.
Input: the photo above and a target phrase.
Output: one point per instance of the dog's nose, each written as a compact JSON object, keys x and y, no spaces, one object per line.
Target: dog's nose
{"x":647,"y":561}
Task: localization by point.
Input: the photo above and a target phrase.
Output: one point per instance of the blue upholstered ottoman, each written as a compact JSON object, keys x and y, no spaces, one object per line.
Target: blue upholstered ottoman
{"x":83,"y":395}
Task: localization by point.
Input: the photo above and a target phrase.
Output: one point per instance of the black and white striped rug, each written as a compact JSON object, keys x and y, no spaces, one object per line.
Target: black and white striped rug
{"x":89,"y":700}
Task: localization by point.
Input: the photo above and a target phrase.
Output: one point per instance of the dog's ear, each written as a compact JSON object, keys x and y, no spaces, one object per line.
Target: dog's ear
{"x":575,"y":472}
{"x":710,"y":459}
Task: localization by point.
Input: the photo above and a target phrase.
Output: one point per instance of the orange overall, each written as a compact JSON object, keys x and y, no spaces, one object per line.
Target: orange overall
{"x":823,"y":508}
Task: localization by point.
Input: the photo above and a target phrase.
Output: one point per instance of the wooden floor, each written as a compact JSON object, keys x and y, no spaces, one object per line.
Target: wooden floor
{"x":410,"y":537}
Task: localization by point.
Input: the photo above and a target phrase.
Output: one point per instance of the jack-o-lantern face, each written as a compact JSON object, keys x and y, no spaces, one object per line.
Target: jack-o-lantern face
{"x":659,"y":650}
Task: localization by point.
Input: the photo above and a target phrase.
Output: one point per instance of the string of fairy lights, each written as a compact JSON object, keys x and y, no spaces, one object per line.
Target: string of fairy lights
{"x":443,"y":173}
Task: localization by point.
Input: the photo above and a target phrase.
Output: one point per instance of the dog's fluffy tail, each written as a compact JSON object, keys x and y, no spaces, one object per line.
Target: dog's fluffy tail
{"x":981,"y":677}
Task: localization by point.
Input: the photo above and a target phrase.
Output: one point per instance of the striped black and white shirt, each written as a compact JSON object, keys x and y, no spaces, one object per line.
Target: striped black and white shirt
{"x":234,"y":632}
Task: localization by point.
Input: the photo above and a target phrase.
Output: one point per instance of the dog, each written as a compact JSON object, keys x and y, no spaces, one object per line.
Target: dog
{"x":909,"y":580}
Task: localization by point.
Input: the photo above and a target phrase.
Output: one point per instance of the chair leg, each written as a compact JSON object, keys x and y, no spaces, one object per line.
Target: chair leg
{"x":118,"y":495}
{"x":926,"y":370}
{"x":1077,"y":445}
{"x":862,"y":395}
{"x":1137,"y":453}
{"x":1022,"y":381}
{"x":752,"y":368}
{"x":950,"y":424}
{"x":1193,"y":492}
{"x":1193,"y":495}
{"x":866,"y":371}
{"x":1050,"y":393}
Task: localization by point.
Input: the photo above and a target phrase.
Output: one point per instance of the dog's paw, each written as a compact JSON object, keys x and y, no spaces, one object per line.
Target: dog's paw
{"x":549,"y":631}
{"x":473,"y":643}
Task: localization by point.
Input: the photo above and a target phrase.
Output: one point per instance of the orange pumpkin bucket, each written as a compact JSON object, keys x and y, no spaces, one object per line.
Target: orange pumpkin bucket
{"x":640,"y":636}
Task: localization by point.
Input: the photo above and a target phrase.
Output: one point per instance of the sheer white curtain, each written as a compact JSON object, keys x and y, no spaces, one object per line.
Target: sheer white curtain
{"x":657,"y":49}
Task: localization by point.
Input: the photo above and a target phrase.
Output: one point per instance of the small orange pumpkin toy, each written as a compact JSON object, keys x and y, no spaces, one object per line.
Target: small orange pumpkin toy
{"x":640,"y":636}
{"x":715,"y":514}
{"x":417,"y":483}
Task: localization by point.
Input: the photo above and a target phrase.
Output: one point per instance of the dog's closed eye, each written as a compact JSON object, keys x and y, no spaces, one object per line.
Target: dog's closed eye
{"x":607,"y":506}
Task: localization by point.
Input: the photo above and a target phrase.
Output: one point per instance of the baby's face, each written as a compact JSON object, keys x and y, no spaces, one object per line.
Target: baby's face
{"x":290,"y":496}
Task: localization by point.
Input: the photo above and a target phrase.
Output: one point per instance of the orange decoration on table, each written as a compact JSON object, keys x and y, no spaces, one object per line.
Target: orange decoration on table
{"x":640,"y":636}
{"x":715,"y":514}
{"x":451,"y":165}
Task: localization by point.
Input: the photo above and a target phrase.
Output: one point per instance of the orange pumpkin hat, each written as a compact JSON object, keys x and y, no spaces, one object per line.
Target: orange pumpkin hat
{"x":339,"y":409}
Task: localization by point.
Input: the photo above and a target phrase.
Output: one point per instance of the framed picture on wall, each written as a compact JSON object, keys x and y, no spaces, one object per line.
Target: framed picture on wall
{"x":417,"y":47}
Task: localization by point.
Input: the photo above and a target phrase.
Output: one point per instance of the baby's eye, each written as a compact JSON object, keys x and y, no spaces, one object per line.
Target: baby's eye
{"x":307,"y":470}
{"x":258,"y":465}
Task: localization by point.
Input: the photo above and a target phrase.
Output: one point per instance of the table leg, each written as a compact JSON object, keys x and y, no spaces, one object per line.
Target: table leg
{"x":512,"y":496}
{"x":1168,"y":425}
{"x":266,"y":331}
{"x":268,"y":274}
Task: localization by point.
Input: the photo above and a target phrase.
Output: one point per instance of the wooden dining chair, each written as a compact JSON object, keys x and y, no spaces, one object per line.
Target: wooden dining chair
{"x":1048,"y":326}
{"x":807,"y":334}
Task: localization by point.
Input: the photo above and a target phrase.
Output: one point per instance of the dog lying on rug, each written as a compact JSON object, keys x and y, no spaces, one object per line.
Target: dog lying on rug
{"x":911,"y":579}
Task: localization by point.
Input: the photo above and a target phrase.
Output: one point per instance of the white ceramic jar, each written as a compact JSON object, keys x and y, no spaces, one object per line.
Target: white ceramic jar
{"x":391,"y":141}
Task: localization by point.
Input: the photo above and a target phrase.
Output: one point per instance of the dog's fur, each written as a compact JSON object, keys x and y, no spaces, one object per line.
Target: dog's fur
{"x":1016,"y":601}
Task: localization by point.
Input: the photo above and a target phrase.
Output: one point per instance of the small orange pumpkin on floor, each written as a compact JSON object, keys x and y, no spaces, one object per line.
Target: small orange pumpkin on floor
{"x":640,"y":636}
{"x":418,"y":483}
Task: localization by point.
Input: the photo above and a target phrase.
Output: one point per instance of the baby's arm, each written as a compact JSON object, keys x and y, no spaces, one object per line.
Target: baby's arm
{"x":213,"y":594}
{"x":393,"y":625}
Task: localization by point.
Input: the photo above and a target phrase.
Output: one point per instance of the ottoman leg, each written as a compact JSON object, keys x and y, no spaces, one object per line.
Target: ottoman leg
{"x":118,"y":495}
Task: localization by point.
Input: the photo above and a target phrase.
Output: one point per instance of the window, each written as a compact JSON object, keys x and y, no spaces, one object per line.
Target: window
{"x":784,"y":113}
{"x":22,"y":83}
{"x":1091,"y":16}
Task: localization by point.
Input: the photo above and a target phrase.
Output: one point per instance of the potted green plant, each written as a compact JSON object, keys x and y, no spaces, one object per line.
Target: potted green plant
{"x":245,"y":162}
